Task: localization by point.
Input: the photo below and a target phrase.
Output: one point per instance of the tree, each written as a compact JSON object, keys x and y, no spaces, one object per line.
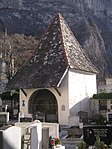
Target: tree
{"x":15,"y":50}
{"x":13,"y":97}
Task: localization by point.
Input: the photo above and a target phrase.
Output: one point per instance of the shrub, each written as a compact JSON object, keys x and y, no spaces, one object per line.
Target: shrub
{"x":82,"y":145}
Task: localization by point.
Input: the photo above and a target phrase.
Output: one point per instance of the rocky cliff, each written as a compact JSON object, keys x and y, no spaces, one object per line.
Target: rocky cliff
{"x":90,"y":20}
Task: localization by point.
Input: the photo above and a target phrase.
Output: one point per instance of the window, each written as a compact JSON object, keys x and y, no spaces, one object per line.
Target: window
{"x":63,"y":108}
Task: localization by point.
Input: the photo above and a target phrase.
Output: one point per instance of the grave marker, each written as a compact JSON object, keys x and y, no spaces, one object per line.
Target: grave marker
{"x":104,"y":132}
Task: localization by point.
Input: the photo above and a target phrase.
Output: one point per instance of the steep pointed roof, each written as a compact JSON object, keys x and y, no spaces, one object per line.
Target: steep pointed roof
{"x":58,"y":49}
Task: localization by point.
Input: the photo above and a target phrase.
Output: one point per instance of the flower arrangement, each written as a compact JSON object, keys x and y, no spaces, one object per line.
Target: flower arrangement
{"x":100,"y":144}
{"x":54,"y":142}
{"x":57,"y":141}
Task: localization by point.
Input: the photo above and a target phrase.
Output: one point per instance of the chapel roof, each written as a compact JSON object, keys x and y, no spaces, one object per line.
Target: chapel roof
{"x":58,"y":49}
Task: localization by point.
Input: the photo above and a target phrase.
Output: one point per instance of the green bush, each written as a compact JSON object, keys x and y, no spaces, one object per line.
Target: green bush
{"x":6,"y":95}
{"x":99,"y":144}
{"x":103,"y":96}
{"x":82,"y":145}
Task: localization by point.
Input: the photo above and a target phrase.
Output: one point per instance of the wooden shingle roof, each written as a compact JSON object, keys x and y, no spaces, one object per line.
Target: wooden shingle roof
{"x":58,"y":49}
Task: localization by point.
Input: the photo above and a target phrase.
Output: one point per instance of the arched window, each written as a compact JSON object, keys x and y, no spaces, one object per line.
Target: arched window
{"x":44,"y":103}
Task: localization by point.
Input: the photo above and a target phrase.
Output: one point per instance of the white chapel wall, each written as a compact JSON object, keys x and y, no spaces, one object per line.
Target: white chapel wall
{"x":63,"y":103}
{"x":81,"y":87}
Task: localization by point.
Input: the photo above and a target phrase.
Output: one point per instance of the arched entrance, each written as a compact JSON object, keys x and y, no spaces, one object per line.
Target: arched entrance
{"x":43,"y":106}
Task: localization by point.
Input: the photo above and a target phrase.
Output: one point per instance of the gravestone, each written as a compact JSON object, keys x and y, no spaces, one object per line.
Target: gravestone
{"x":36,"y":136}
{"x":109,"y":117}
{"x":75,"y":132}
{"x":39,"y":116}
{"x":24,"y":118}
{"x":10,"y":137}
{"x":104,"y":132}
{"x":45,"y":138}
{"x":4,"y":118}
{"x":53,"y":129}
{"x":83,"y":116}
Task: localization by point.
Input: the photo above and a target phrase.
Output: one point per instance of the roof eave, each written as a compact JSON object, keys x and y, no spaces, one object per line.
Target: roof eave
{"x":59,"y":83}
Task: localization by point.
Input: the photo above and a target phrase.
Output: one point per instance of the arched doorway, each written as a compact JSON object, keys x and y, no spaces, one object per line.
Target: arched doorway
{"x":43,"y":106}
